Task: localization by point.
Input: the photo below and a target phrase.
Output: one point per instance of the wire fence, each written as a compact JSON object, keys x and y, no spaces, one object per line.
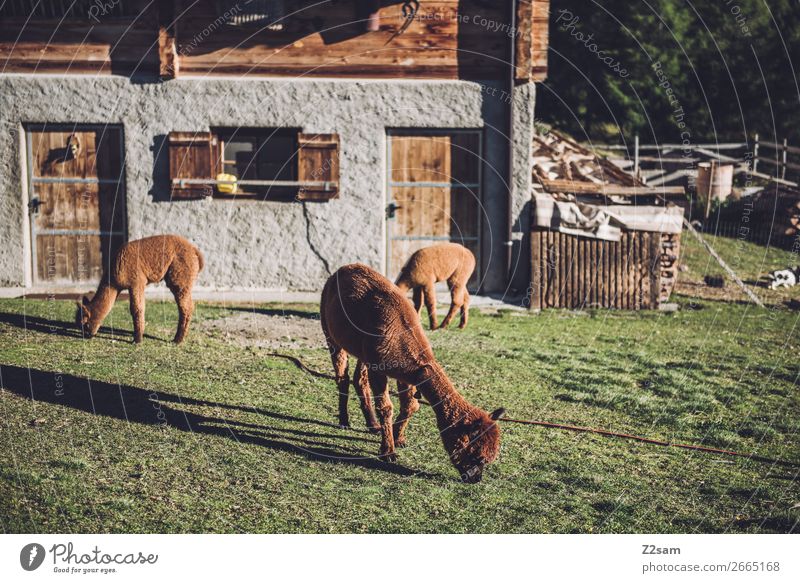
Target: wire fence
{"x":760,"y":234}
{"x":776,"y":161}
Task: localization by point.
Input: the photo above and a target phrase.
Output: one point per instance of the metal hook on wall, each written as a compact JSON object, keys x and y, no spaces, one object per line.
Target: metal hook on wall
{"x":409,"y":10}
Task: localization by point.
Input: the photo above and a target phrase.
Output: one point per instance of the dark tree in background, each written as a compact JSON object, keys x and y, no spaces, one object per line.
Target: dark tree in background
{"x":674,"y":70}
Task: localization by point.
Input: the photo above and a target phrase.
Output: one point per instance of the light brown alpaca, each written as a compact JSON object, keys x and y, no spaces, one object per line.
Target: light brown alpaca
{"x":168,"y":258}
{"x":363,"y":314}
{"x":449,"y":262}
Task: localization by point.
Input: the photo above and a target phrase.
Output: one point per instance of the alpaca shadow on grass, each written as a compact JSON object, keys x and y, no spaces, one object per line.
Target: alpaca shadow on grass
{"x":136,"y":405}
{"x":59,"y":328}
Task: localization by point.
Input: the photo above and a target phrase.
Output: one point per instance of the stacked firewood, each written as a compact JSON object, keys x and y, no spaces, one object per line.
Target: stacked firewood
{"x":558,"y":157}
{"x":779,"y":206}
{"x":559,"y":160}
{"x":670,"y":253}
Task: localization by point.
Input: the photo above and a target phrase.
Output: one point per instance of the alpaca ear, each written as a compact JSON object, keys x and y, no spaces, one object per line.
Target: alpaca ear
{"x":497,"y":413}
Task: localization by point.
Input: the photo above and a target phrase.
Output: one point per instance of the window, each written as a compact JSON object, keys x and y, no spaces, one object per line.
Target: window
{"x":260,"y":163}
{"x":260,"y":155}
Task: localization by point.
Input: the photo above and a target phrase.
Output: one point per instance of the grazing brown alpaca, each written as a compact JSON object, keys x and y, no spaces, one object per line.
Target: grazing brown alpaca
{"x":168,"y":258}
{"x":363,"y":314}
{"x":449,"y":262}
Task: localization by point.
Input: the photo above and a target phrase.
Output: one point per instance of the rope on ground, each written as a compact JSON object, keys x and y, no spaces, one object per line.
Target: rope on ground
{"x":581,"y":429}
{"x":299,"y":364}
{"x":608,"y":433}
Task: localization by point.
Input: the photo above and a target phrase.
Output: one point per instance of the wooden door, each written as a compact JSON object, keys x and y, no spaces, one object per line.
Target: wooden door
{"x":434,"y":193}
{"x":77,"y":202}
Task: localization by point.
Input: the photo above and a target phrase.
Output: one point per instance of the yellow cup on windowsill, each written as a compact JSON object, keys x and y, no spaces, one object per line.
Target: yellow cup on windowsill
{"x":226,"y":183}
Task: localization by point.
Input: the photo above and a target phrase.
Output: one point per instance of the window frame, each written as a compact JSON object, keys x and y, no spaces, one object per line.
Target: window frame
{"x":259,"y":137}
{"x":197,"y":159}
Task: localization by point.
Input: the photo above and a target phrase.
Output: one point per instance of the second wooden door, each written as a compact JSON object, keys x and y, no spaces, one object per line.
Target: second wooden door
{"x":434,"y":193}
{"x":76,"y":202}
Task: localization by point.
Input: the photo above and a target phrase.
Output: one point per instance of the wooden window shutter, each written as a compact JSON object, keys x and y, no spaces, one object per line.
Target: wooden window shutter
{"x":194,"y":156}
{"x":318,"y":166}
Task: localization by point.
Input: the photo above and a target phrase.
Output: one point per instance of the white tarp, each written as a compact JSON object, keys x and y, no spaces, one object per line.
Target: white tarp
{"x":604,"y":222}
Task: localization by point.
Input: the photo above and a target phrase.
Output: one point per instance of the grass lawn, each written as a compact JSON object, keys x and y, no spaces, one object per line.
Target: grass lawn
{"x":750,"y":262}
{"x":218,"y":436}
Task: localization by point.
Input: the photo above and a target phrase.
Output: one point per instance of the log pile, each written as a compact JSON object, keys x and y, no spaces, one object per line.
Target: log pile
{"x":558,"y":157}
{"x":779,"y":206}
{"x":565,"y":169}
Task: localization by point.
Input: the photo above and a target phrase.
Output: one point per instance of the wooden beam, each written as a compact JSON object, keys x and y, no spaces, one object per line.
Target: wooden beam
{"x":523,"y":46}
{"x":608,"y":167}
{"x":580,"y":187}
{"x":447,"y":39}
{"x":781,"y":164}
{"x":654,"y":181}
{"x":540,"y":27}
{"x":119,"y":45}
{"x":780,"y":147}
{"x":661,"y":147}
{"x":168,"y":63}
{"x":774,"y":179}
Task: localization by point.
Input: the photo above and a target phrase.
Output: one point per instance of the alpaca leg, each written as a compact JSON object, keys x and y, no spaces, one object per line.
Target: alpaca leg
{"x":137,"y":311}
{"x":361,"y":383}
{"x":456,"y":301}
{"x":339,"y":358}
{"x":185,"y":310}
{"x":383,"y":404}
{"x":430,"y":303}
{"x":408,"y":406}
{"x":418,"y":300}
{"x":464,"y":310}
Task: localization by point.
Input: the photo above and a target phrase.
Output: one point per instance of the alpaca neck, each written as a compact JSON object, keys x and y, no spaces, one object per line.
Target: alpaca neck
{"x":101,"y":304}
{"x":403,"y":285}
{"x":448,"y":404}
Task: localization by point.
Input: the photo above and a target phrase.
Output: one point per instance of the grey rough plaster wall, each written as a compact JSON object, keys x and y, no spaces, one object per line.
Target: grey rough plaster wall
{"x":251,"y":244}
{"x":522,"y":147}
{"x":12,"y":227}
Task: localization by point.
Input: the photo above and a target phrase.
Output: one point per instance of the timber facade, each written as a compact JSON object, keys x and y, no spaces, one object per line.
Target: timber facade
{"x":283,"y":138}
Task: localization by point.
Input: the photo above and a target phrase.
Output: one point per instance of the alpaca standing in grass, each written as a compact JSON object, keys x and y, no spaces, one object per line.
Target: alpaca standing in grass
{"x":168,"y":258}
{"x":449,"y":262}
{"x":363,"y":314}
